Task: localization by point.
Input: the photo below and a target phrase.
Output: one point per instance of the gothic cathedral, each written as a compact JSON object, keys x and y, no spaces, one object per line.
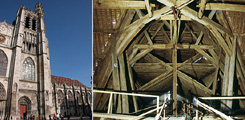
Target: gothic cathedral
{"x":25,"y":78}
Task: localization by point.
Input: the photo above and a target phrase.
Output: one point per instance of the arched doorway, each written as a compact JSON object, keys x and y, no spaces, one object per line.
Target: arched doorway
{"x":25,"y":106}
{"x":2,"y":100}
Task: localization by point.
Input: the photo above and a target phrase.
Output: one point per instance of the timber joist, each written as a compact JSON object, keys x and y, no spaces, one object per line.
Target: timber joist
{"x":167,"y":45}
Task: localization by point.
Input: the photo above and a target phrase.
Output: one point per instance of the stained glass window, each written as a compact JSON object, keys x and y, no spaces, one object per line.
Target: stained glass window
{"x":28,"y":69}
{"x":3,"y":63}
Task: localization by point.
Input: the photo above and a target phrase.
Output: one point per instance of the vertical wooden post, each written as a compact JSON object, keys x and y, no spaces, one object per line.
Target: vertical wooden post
{"x":197,"y":112}
{"x":231,"y":72}
{"x":116,"y":81}
{"x":225,"y":80}
{"x":174,"y":61}
{"x":130,"y":73}
{"x":110,"y":104}
{"x":216,"y":74}
{"x":125,"y":106}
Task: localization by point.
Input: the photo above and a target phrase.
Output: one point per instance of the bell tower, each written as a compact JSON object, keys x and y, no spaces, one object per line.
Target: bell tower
{"x":29,"y":46}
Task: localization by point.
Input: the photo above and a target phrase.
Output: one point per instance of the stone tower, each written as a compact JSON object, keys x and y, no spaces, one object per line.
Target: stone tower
{"x":25,"y":53}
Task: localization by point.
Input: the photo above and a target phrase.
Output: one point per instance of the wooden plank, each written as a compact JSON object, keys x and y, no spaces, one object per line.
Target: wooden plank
{"x":125,"y":105}
{"x":232,"y":71}
{"x":224,"y":6}
{"x":130,"y":74}
{"x":107,"y":4}
{"x":171,"y":17}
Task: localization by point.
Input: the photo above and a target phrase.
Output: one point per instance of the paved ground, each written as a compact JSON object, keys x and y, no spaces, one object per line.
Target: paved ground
{"x":78,"y":118}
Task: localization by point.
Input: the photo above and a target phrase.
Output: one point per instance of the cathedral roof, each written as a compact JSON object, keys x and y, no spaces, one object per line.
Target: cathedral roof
{"x":67,"y":81}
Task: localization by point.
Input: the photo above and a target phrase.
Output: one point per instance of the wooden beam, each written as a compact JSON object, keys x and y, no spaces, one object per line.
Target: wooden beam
{"x":107,"y":4}
{"x":131,"y":31}
{"x":194,"y":84}
{"x":148,"y":7}
{"x":241,"y":63}
{"x":174,"y":61}
{"x":224,"y":6}
{"x":216,"y":74}
{"x":155,"y":80}
{"x":225,"y":80}
{"x":116,"y":79}
{"x":165,"y":34}
{"x":140,"y":55}
{"x":104,"y":69}
{"x":220,"y":39}
{"x":193,"y":15}
{"x":148,"y":38}
{"x":130,"y":74}
{"x":202,"y":8}
{"x":209,"y":79}
{"x":134,"y":52}
{"x":171,"y":17}
{"x":170,"y":46}
{"x":158,"y":29}
{"x":207,"y":56}
{"x":232,"y":71}
{"x":125,"y":105}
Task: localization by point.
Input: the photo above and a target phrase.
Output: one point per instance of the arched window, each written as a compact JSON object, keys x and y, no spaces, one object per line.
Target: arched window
{"x":3,"y":63}
{"x":28,"y":69}
{"x":60,"y":96}
{"x":2,"y":92}
{"x":27,"y":22}
{"x":70,"y":98}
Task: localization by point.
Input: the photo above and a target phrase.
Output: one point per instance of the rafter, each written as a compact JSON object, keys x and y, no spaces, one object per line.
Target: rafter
{"x":224,"y":6}
{"x":120,"y":4}
{"x":170,"y":46}
{"x":188,"y":79}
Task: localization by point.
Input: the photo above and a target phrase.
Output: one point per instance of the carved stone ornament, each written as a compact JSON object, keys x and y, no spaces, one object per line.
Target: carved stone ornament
{"x":2,"y":28}
{"x":2,"y":38}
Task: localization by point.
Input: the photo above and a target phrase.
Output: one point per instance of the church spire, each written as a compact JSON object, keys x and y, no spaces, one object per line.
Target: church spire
{"x":39,"y":9}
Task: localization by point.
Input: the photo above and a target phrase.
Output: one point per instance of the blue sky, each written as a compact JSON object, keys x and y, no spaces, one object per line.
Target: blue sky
{"x":69,"y":31}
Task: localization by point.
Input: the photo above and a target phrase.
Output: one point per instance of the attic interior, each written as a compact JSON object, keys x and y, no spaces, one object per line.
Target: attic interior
{"x":161,"y":59}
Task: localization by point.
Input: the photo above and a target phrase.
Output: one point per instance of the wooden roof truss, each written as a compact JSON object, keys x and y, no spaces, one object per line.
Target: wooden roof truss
{"x":187,"y":47}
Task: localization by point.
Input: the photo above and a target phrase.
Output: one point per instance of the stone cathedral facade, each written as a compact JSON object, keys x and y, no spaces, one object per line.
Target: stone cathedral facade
{"x":25,"y":78}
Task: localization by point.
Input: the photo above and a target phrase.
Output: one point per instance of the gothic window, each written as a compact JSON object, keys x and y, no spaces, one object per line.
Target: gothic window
{"x":34,"y":24}
{"x":28,"y":69}
{"x":3,"y":63}
{"x":70,"y":97}
{"x":60,"y":96}
{"x":2,"y":92}
{"x":78,"y":96}
{"x":27,"y":22}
